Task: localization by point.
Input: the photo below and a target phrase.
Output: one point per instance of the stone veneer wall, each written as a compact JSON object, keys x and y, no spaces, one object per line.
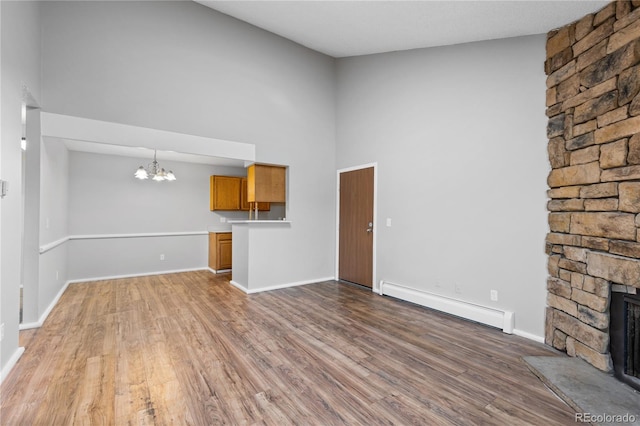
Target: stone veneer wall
{"x":593,"y":105}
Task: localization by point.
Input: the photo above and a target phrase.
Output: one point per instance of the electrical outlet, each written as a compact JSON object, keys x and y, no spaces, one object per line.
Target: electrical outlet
{"x":457,"y":288}
{"x":494,"y":295}
{"x":162,"y":257}
{"x":388,"y":222}
{"x":223,"y":219}
{"x":1,"y":332}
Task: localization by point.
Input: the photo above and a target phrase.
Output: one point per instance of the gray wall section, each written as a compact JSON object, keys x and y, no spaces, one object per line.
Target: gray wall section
{"x":20,"y":52}
{"x":105,"y":198}
{"x":102,"y":258}
{"x":54,"y":215}
{"x":54,"y":191}
{"x":182,"y":67}
{"x":459,"y":136}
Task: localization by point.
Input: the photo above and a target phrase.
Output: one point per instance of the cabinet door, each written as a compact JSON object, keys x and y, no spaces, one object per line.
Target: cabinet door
{"x":246,"y":205}
{"x":266,"y":183}
{"x":225,"y":193}
{"x":213,"y":247}
{"x":224,"y":254}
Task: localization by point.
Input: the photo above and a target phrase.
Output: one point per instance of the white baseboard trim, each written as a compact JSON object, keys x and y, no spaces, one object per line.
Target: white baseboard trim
{"x":280,"y":286}
{"x":527,"y":335}
{"x":142,"y":274}
{"x":219,"y":271}
{"x":485,"y":315}
{"x":238,"y":286}
{"x":11,"y":363}
{"x":45,"y":314}
{"x":30,"y":325}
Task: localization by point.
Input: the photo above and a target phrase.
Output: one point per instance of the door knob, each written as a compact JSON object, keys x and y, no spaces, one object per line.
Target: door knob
{"x":370,"y":228}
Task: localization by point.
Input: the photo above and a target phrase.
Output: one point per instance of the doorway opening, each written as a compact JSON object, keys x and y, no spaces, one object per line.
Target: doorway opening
{"x":30,"y":206}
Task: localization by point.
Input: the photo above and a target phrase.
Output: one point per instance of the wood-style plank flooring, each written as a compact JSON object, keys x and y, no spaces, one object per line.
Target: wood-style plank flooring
{"x":190,"y":349}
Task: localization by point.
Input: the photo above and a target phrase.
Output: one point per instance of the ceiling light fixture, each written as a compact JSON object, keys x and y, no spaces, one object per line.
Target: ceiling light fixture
{"x":154,"y":171}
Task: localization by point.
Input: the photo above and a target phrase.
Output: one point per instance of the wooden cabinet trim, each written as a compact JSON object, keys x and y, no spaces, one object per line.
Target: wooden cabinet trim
{"x":220,"y":250}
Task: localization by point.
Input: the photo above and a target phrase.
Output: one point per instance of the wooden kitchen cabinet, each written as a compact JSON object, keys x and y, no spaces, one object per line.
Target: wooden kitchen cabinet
{"x":220,"y":250}
{"x":224,"y":193}
{"x":266,"y":183}
{"x":245,"y":204}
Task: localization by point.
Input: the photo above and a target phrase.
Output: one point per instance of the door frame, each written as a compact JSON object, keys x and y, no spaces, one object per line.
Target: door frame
{"x":374,"y":284}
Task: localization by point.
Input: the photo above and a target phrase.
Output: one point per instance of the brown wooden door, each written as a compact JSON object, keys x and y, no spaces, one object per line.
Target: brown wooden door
{"x":355,"y":263}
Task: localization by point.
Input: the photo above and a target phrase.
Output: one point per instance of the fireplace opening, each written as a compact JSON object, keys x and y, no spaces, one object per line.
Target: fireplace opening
{"x":625,"y":338}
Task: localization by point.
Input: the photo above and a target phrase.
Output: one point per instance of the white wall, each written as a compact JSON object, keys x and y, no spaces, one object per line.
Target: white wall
{"x":20,"y":27}
{"x":459,"y":136}
{"x":105,"y":197}
{"x":182,"y":67}
{"x":54,"y":185}
{"x":54,"y":202}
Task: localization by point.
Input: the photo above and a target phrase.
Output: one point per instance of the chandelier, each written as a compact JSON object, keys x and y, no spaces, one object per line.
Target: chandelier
{"x":154,"y":171}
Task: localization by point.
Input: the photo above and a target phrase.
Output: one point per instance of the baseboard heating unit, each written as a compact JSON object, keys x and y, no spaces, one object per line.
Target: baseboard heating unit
{"x":494,"y":317}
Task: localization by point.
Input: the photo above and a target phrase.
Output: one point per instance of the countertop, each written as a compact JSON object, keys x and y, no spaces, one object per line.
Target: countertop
{"x":259,"y":221}
{"x":217,"y":229}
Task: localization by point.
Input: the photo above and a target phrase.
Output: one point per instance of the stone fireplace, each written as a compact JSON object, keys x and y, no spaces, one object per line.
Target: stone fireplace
{"x":593,"y":105}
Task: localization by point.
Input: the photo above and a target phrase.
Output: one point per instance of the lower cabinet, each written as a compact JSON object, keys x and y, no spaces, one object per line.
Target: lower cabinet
{"x":220,"y":250}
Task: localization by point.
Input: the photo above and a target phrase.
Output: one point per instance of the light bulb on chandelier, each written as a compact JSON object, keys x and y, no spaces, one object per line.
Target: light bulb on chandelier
{"x":154,"y":171}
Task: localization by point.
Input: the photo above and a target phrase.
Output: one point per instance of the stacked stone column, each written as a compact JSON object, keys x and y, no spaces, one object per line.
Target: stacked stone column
{"x":593,"y":105}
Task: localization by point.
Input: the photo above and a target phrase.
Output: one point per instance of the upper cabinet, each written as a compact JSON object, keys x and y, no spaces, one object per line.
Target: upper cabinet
{"x":224,"y":193}
{"x":230,"y":193}
{"x":245,"y":204}
{"x":266,"y":183}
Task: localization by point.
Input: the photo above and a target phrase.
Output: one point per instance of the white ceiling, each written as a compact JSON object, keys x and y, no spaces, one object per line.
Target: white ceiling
{"x":342,"y":28}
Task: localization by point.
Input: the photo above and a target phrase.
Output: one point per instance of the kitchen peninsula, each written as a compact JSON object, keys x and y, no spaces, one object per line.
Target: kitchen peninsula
{"x":254,"y":259}
{"x":250,"y":244}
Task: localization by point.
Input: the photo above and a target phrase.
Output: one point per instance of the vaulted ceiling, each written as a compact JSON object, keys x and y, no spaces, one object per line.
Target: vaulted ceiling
{"x":351,"y":28}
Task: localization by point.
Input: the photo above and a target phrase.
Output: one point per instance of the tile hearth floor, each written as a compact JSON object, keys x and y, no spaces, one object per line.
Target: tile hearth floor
{"x":586,"y":389}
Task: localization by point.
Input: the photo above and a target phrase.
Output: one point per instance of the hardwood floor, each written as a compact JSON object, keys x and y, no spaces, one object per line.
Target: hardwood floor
{"x":189,"y":348}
